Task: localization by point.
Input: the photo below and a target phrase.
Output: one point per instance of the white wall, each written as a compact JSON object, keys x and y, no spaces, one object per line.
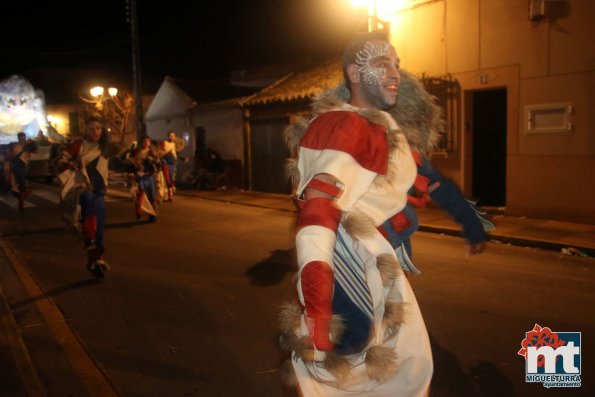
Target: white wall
{"x":223,"y":131}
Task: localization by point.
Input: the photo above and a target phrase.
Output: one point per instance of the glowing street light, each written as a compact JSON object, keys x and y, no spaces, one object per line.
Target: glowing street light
{"x":378,"y":9}
{"x":97,"y":93}
{"x":115,"y":107}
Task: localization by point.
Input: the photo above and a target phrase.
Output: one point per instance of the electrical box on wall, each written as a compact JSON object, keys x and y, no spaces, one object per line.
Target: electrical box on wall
{"x":536,"y":9}
{"x":549,"y":118}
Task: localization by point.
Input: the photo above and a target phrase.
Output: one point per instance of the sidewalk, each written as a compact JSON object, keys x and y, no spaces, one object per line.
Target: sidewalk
{"x":528,"y":232}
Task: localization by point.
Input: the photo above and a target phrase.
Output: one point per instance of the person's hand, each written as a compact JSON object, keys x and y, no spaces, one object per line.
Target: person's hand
{"x":475,"y":249}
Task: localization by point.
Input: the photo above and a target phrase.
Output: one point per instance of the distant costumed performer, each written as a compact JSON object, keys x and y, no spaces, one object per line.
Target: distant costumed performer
{"x":84,"y":184}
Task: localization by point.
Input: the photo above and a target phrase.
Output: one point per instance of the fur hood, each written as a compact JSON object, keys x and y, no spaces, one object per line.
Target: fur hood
{"x":415,"y":111}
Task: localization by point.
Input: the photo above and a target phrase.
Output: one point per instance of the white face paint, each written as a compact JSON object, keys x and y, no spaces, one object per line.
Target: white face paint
{"x":378,"y":65}
{"x":371,"y":74}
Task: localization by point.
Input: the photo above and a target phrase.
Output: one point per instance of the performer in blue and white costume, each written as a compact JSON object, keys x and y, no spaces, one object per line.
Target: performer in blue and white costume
{"x":357,"y":329}
{"x":146,"y":164}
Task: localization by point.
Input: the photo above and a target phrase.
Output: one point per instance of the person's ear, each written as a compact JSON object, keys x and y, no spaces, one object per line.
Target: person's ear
{"x":353,"y":73}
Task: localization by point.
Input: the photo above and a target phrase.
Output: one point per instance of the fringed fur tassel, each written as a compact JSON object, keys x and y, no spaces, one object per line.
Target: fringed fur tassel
{"x":389,"y":269}
{"x":394,"y":316}
{"x":292,"y":173}
{"x":301,"y":346}
{"x":294,"y":134}
{"x":338,"y":366}
{"x":288,"y":376}
{"x":359,"y":225}
{"x":381,"y":362}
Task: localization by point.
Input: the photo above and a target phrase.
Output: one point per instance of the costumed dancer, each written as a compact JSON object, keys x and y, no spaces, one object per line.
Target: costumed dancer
{"x":359,"y":177}
{"x":357,"y":329}
{"x":171,"y":148}
{"x":20,"y":153}
{"x":145,"y":162}
{"x":84,"y":185}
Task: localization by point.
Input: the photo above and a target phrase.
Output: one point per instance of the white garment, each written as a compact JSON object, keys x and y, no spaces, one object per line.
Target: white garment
{"x":379,"y":202}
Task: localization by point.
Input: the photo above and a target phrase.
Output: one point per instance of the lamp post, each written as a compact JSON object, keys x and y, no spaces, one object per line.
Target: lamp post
{"x":99,"y":97}
{"x":113,"y":106}
{"x":374,"y":21}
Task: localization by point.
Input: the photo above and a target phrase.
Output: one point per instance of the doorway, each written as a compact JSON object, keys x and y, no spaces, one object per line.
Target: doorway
{"x":488,"y":180}
{"x":269,"y":155}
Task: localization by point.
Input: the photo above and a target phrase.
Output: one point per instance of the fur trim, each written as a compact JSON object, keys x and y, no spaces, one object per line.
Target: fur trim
{"x":416,"y":111}
{"x":394,"y":316}
{"x":288,"y":376}
{"x":389,"y":267}
{"x":381,"y":362}
{"x":374,"y":116}
{"x":417,"y":114}
{"x":293,"y":134}
{"x":392,"y":139}
{"x":330,"y":99}
{"x":336,"y":328}
{"x":290,"y":320}
{"x":338,"y":366}
{"x":359,"y":225}
{"x":292,"y":173}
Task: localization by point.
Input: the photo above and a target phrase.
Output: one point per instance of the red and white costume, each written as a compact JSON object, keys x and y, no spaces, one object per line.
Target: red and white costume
{"x":371,"y":160}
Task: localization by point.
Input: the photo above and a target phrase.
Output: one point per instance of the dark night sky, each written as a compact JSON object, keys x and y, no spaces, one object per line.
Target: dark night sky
{"x":201,"y":40}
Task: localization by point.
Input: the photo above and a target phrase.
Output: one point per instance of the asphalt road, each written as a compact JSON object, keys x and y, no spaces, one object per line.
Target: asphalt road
{"x":189,"y":307}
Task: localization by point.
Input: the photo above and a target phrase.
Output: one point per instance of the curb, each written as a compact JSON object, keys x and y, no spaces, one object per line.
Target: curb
{"x":513,"y":240}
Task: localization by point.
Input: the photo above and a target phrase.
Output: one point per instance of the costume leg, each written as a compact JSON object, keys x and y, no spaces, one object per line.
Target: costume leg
{"x":139,"y":201}
{"x":150,"y":191}
{"x":100,"y":211}
{"x":167,"y":173}
{"x":172,"y":175}
{"x":88,"y":217}
{"x":95,"y":262}
{"x":19,"y":170}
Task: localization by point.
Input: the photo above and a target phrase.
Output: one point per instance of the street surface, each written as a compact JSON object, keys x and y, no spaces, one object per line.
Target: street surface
{"x":190,"y":305}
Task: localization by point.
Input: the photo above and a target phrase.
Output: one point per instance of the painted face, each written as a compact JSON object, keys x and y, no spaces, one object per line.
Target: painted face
{"x":379,"y":72}
{"x":94,"y":131}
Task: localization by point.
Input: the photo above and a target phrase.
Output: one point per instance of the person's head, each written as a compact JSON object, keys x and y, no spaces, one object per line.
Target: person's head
{"x":371,"y":70}
{"x":171,"y":136}
{"x":22,"y":137}
{"x":94,"y":129}
{"x":146,"y":142}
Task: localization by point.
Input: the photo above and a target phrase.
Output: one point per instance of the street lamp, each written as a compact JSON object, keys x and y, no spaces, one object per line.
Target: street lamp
{"x":378,"y":8}
{"x":113,"y":106}
{"x":99,"y":98}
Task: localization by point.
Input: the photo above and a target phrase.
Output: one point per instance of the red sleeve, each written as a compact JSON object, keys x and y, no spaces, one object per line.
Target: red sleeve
{"x":353,"y":134}
{"x":74,"y":148}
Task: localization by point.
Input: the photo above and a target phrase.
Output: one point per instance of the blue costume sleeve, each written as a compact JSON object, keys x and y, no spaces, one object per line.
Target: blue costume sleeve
{"x":451,"y":199}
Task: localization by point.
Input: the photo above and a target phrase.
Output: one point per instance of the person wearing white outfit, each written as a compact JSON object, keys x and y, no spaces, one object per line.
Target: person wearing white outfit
{"x":357,"y":329}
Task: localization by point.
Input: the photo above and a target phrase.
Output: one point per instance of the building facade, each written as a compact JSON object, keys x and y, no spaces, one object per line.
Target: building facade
{"x":521,"y":107}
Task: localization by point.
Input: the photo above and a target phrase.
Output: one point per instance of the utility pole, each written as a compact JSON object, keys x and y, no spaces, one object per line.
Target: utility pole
{"x":136,"y":72}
